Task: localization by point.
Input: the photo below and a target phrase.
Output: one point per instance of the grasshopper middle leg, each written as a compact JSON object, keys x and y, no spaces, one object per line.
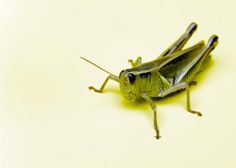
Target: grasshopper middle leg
{"x":180,"y":86}
{"x":104,"y":83}
{"x":188,"y":107}
{"x":135,"y":63}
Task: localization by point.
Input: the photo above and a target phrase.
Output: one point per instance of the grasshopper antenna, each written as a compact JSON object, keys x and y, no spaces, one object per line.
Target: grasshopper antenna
{"x":99,"y":67}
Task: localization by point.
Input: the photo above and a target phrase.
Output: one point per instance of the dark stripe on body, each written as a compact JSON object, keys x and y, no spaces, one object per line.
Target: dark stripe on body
{"x":146,"y":77}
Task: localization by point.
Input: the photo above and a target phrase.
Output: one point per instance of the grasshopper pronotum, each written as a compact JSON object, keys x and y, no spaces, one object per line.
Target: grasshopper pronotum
{"x":172,"y":71}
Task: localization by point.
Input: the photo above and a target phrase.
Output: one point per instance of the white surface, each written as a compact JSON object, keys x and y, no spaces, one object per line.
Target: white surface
{"x":48,"y":117}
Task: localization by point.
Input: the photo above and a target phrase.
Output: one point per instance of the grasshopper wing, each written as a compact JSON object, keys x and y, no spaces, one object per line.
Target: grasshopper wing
{"x":174,"y":65}
{"x":170,"y":65}
{"x":197,"y":62}
{"x":182,"y":66}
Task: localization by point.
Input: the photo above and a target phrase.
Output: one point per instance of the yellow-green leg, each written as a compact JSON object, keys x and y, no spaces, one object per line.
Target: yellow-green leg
{"x":181,"y":86}
{"x":154,"y":109}
{"x":104,"y":84}
{"x":135,"y":63}
{"x":188,"y":107}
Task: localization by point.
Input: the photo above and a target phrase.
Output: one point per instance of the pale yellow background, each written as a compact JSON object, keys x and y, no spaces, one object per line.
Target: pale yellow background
{"x":48,"y":117}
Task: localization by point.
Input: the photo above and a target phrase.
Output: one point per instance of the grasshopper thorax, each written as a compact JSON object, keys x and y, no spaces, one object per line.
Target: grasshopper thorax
{"x":129,"y":84}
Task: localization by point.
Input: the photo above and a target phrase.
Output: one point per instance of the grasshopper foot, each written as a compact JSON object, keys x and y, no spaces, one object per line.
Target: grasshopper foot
{"x":157,"y":136}
{"x":193,"y":83}
{"x":131,"y":61}
{"x":196,"y":112}
{"x":94,"y":89}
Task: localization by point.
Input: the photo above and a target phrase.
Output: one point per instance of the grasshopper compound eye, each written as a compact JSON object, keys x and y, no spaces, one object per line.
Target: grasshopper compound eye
{"x":131,"y":78}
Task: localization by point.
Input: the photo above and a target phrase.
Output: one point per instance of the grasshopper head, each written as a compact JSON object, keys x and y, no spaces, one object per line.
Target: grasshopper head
{"x":129,"y":84}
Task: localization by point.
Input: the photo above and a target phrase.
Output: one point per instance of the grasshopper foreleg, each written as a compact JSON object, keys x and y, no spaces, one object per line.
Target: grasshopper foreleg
{"x":112,"y":77}
{"x":153,"y":106}
{"x":135,"y":63}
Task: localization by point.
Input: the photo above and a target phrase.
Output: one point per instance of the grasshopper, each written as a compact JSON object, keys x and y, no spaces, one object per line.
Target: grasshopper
{"x":172,"y":71}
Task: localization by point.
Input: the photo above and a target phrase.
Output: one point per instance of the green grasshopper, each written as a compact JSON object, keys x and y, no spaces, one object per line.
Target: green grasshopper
{"x":172,"y":71}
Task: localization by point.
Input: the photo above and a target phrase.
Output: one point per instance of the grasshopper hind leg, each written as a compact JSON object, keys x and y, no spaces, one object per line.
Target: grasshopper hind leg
{"x":181,"y":41}
{"x":135,"y":63}
{"x":212,"y":43}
